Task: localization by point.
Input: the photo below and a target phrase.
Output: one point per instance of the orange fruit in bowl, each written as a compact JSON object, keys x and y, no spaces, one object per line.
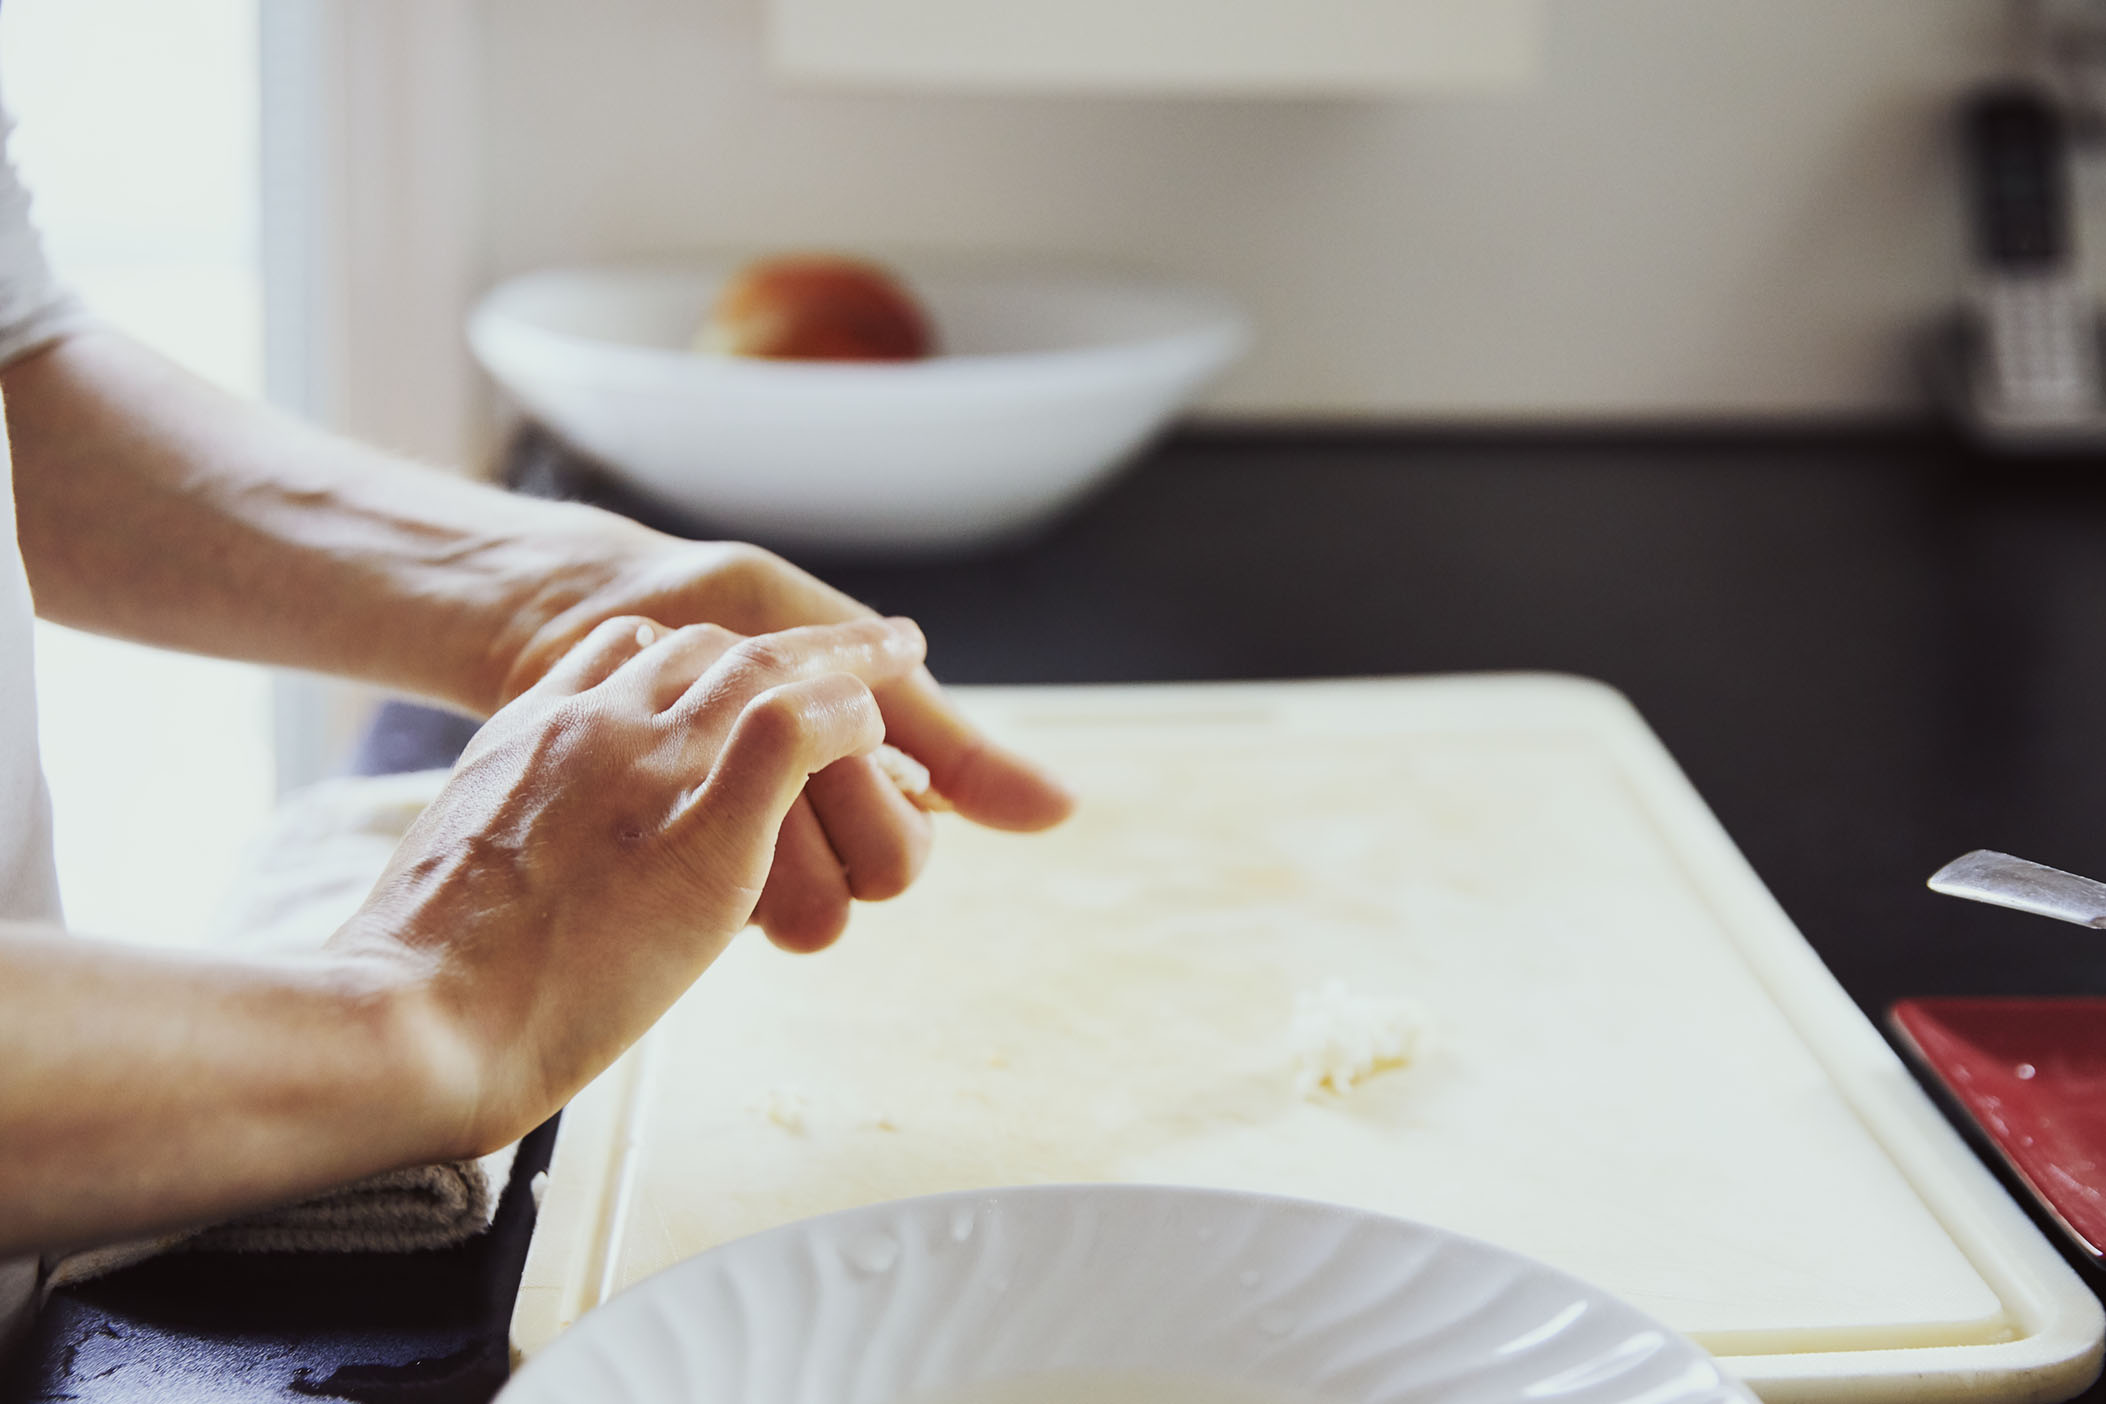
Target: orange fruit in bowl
{"x":816,"y":307}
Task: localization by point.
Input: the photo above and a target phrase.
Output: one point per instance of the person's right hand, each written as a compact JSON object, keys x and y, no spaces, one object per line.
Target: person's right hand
{"x":603,"y":838}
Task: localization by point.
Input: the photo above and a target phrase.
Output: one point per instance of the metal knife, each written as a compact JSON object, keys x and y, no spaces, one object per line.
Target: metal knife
{"x":2004,"y":881}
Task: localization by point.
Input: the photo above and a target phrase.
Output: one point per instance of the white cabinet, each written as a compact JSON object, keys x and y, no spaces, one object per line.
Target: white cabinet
{"x":1225,"y":47}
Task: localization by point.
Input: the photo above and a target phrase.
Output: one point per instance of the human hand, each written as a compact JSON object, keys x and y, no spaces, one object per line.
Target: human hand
{"x":604,"y":836}
{"x":852,"y":835}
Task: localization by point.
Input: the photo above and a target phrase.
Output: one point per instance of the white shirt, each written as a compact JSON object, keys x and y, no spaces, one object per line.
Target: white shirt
{"x":28,"y":882}
{"x":34,"y":311}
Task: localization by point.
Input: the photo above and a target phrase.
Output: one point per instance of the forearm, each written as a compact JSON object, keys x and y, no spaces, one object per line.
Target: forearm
{"x":143,"y":1090}
{"x":157,"y":508}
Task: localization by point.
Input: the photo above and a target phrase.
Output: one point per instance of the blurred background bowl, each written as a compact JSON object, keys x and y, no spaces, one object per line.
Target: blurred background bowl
{"x":1045,"y":384}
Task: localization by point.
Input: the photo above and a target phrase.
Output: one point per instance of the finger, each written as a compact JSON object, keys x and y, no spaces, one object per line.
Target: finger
{"x":804,"y":905}
{"x":873,"y":651}
{"x":596,"y":656}
{"x":878,"y":835}
{"x":909,"y":776}
{"x":780,"y":738}
{"x":987,"y":783}
{"x":665,"y":671}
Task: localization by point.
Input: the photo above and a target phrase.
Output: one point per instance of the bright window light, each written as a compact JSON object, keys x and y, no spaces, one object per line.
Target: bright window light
{"x":136,"y":130}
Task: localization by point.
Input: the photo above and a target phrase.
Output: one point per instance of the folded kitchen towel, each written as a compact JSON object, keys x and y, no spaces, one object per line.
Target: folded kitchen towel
{"x":301,"y":881}
{"x":424,"y":1206}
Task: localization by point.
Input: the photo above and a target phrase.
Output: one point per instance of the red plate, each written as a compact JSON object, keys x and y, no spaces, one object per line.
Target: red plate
{"x":2032,"y":1074}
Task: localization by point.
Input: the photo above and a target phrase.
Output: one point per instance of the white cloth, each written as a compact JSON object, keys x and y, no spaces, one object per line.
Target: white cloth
{"x":28,"y":881}
{"x":34,"y":310}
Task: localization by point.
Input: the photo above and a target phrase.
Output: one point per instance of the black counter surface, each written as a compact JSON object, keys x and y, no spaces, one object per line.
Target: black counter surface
{"x":1870,"y":650}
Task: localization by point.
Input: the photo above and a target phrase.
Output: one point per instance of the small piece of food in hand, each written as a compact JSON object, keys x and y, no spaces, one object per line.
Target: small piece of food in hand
{"x":817,"y":307}
{"x":909,"y":776}
{"x":1339,"y":1038}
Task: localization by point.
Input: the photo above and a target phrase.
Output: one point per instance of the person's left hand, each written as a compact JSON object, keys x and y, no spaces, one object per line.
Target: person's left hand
{"x":853,"y":835}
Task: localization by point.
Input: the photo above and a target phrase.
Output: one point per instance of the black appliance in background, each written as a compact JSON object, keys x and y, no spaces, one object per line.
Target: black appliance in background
{"x":2021,"y":364}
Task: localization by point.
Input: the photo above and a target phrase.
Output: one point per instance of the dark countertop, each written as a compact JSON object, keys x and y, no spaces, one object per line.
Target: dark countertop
{"x":1870,"y":650}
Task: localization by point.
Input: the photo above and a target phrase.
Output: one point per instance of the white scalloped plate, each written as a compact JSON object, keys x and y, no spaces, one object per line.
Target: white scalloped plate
{"x":921,"y":1297}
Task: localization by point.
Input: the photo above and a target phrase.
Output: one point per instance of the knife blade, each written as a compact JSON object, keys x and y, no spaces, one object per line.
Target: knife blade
{"x":2004,"y":881}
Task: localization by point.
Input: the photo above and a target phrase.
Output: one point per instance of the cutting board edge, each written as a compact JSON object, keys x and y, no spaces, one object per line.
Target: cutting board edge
{"x":564,"y":1276}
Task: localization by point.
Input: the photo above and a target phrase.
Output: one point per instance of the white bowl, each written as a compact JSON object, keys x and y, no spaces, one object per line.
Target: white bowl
{"x":1045,"y":385}
{"x":1211,"y":1295}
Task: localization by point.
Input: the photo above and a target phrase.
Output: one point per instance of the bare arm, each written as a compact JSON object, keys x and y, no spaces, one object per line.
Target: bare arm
{"x":601,"y":842}
{"x":146,"y":1090}
{"x":157,"y":508}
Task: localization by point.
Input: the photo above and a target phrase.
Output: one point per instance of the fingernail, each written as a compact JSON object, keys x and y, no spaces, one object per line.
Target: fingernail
{"x":646,"y":635}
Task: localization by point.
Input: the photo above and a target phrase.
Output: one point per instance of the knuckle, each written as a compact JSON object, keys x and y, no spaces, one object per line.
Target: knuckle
{"x":704,"y":647}
{"x":763,"y":657}
{"x":746,"y":576}
{"x":779,"y":719}
{"x":619,"y":629}
{"x":745,"y":561}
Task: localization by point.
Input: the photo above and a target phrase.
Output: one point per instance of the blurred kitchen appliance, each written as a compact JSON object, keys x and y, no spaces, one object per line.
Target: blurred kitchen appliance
{"x":2022,"y":360}
{"x":2066,"y":40}
{"x":2038,"y":359}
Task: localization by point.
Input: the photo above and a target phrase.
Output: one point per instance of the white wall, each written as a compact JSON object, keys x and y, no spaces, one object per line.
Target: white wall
{"x":1730,"y":207}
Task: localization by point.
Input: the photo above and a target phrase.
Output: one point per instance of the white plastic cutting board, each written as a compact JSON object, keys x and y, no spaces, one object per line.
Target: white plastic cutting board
{"x":1636,"y":1069}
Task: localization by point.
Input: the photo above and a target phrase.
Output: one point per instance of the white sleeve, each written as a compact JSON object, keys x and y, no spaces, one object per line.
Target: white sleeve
{"x":35,"y":308}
